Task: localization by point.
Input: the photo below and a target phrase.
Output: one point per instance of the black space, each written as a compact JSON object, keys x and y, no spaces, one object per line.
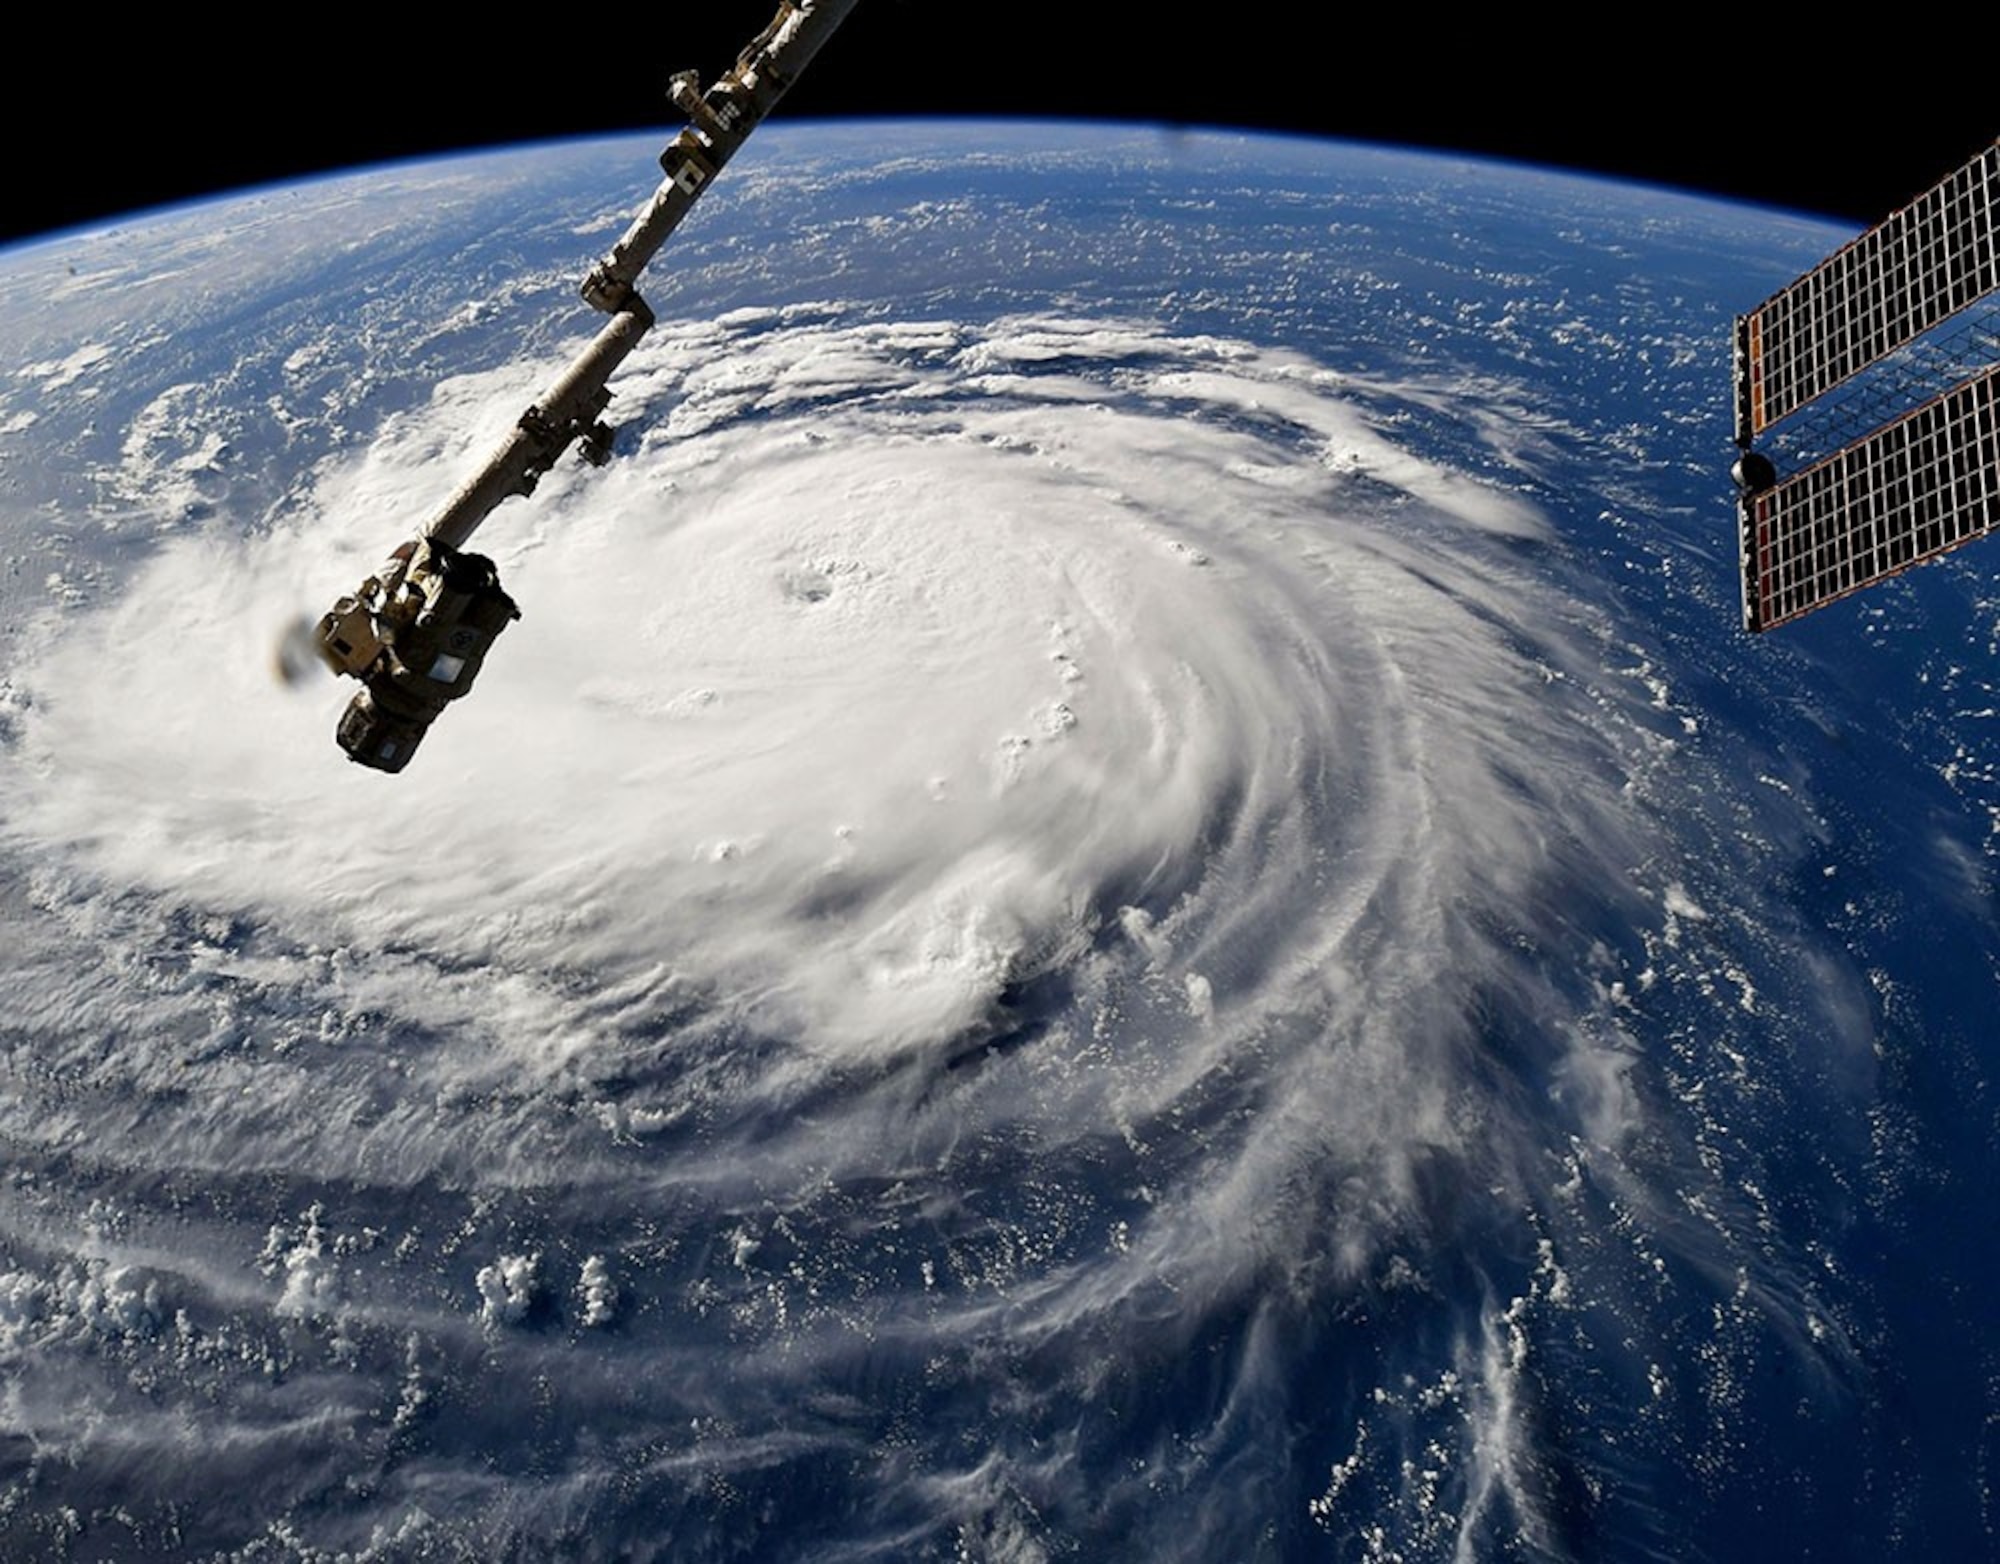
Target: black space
{"x":157,"y":110}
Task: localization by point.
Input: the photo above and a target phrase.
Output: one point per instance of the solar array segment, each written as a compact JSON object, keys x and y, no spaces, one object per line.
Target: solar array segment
{"x":1915,"y":488}
{"x":1910,"y":272}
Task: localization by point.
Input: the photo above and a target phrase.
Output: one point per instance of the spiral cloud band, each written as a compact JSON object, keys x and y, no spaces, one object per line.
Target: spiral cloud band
{"x":1009,"y":870}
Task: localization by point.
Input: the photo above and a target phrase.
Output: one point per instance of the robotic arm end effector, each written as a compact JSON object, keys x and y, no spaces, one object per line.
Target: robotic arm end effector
{"x":416,"y":636}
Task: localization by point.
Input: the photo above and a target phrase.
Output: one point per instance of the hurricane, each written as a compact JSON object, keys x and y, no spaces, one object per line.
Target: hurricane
{"x":1062,"y":932}
{"x":1046,"y":863}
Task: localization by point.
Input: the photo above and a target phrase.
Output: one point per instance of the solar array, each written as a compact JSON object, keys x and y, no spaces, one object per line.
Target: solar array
{"x":1910,"y":272}
{"x":1907,"y":307}
{"x":1914,"y":488}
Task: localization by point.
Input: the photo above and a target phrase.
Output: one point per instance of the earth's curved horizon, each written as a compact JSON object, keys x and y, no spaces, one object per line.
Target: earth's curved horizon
{"x":1126,"y":893}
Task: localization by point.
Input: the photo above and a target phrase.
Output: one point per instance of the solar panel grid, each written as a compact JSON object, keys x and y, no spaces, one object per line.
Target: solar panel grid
{"x":1910,"y":272}
{"x":1918,"y":487}
{"x":1893,"y":317}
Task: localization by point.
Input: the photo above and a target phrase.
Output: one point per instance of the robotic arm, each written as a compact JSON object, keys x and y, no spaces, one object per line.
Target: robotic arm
{"x":417,"y":632}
